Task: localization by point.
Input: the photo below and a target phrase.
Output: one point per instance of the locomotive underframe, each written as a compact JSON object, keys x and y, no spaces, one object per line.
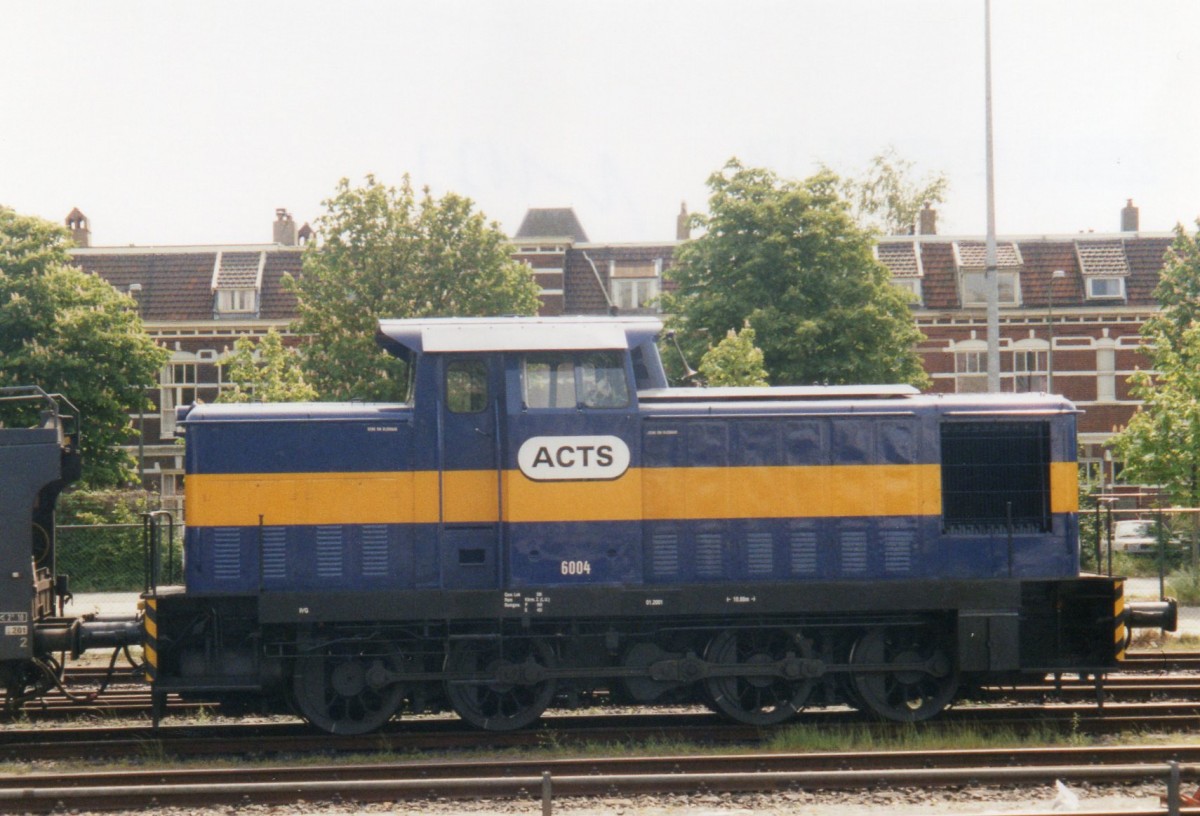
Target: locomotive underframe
{"x":348,"y":661}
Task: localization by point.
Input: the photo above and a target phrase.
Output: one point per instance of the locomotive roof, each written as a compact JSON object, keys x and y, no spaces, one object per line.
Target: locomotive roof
{"x":467,"y":334}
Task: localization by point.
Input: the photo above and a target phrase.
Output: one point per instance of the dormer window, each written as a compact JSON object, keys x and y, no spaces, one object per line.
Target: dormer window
{"x":237,"y":300}
{"x":1106,"y":288}
{"x":970,"y":258}
{"x":974,"y":288}
{"x":236,"y":283}
{"x":1105,"y":267}
{"x":903,"y":260}
{"x":635,"y":284}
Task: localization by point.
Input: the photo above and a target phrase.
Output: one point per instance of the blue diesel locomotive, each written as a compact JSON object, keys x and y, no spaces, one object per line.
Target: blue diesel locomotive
{"x":545,"y":520}
{"x":546,"y":523}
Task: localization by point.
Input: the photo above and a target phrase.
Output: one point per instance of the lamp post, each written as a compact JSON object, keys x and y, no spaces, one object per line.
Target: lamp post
{"x":1055,"y":275}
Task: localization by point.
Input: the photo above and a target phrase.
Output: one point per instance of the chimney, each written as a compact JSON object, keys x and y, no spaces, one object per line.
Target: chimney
{"x":77,"y":223}
{"x":927,"y":221}
{"x":1129,"y":217}
{"x":285,"y":228}
{"x":682,"y":231}
{"x":306,"y":233}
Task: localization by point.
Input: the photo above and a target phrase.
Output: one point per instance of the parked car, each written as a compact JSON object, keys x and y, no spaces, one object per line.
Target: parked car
{"x":1135,"y":536}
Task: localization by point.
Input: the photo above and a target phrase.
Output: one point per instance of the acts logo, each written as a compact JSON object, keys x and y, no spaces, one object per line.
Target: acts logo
{"x":558,"y":458}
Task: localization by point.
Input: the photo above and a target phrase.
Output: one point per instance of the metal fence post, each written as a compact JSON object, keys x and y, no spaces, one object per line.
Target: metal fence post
{"x":1173,"y":789}
{"x":547,"y":800}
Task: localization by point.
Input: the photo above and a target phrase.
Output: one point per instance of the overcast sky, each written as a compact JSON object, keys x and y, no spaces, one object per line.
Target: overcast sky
{"x":174,"y":123}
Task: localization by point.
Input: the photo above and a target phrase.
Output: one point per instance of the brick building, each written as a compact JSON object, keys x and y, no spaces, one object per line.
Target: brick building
{"x":1071,"y":307}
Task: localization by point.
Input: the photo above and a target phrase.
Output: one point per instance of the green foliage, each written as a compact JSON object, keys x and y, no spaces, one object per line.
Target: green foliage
{"x":786,"y":258}
{"x":71,"y":332}
{"x":385,"y":253}
{"x":735,"y":361}
{"x":1184,"y":586}
{"x":100,"y":539}
{"x":265,"y":371}
{"x":1161,"y":443}
{"x":886,"y":198}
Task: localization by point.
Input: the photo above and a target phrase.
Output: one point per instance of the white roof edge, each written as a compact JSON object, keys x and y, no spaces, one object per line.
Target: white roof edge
{"x":465,"y":334}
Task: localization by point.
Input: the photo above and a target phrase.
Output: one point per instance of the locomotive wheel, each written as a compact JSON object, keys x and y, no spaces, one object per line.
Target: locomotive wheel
{"x":904,"y":695}
{"x":337,"y":691}
{"x":766,"y":699}
{"x":517,"y":692}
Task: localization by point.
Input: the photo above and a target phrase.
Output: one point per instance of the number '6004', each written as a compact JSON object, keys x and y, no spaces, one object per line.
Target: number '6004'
{"x":576,"y":567}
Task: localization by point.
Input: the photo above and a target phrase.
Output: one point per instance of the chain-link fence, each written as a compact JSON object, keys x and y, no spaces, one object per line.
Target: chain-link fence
{"x":115,"y":557}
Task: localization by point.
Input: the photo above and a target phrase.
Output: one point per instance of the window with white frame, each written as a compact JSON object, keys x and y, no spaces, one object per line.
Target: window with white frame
{"x":177,"y":387}
{"x":1029,"y":370}
{"x":634,"y":284}
{"x":1099,"y":288}
{"x":974,"y":288}
{"x":970,"y":371}
{"x":236,"y":301}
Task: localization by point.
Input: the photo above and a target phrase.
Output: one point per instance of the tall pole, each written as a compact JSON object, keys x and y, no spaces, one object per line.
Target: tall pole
{"x":991,"y":278}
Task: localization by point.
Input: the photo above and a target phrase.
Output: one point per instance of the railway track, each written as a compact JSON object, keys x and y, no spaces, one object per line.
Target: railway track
{"x":594,"y":777}
{"x":428,"y":734}
{"x":126,"y":698}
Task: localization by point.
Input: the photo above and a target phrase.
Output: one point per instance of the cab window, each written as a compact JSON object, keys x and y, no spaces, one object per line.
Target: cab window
{"x":565,"y":380}
{"x":548,"y":381}
{"x":466,"y":386}
{"x":602,"y":380}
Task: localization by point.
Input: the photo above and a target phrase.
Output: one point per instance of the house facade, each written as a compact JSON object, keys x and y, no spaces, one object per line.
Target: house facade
{"x":1071,"y":309}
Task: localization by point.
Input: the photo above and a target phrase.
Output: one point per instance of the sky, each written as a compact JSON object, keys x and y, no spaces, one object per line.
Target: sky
{"x":172,"y":123}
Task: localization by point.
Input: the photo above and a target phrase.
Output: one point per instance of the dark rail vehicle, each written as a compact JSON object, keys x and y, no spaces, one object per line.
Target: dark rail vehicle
{"x":545,"y":522}
{"x":36,"y":463}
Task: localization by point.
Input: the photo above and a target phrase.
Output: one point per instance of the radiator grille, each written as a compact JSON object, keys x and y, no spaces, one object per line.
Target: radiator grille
{"x":708,"y":555}
{"x":375,"y":551}
{"x":329,"y":552}
{"x":803,"y":550}
{"x":897,"y":551}
{"x":854,"y":552}
{"x":760,"y":553}
{"x":664,"y":554}
{"x":274,"y":552}
{"x":227,"y":554}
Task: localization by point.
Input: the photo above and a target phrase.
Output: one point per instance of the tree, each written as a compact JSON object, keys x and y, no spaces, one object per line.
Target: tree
{"x":1161,"y":443}
{"x":886,"y":198}
{"x":69,"y":331}
{"x":265,"y":371}
{"x":734,"y":361}
{"x":385,"y":253}
{"x":786,"y":258}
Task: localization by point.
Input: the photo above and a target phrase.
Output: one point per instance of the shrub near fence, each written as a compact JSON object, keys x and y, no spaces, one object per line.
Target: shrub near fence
{"x":112,"y":557}
{"x":100,"y":539}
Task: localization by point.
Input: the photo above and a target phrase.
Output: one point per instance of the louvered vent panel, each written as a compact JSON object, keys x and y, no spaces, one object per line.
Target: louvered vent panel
{"x":227,"y":554}
{"x":760,"y":553}
{"x":375,"y":550}
{"x":803,"y":548}
{"x":897,"y":551}
{"x":329,"y":552}
{"x":854,"y":552}
{"x":274,"y":552}
{"x":664,"y":554}
{"x":708,"y":555}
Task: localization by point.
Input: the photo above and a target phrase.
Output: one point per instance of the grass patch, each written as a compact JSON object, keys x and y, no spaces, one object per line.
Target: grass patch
{"x":914,"y":737}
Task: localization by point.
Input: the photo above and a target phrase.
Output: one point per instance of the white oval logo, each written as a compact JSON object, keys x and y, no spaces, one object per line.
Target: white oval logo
{"x":556,"y":458}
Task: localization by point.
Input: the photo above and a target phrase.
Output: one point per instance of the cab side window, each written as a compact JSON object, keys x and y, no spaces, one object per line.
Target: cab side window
{"x":548,"y":381}
{"x":466,"y":386}
{"x":602,"y":380}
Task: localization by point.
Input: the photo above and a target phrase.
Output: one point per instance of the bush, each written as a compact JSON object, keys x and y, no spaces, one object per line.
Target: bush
{"x":1184,"y":586}
{"x":100,"y":540}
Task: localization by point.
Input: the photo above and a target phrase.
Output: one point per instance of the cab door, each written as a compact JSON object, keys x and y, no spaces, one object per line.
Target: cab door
{"x":468,"y":428}
{"x":572,"y":491}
